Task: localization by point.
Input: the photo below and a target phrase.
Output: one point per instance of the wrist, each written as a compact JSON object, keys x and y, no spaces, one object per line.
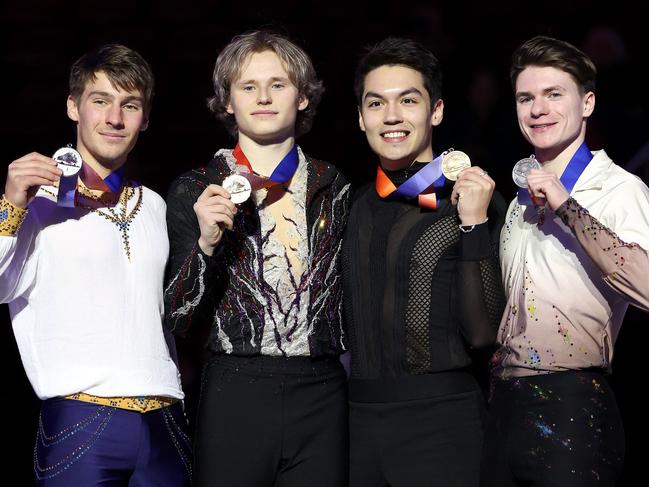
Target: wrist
{"x":205,"y":247}
{"x":11,"y":217}
{"x":468,"y":220}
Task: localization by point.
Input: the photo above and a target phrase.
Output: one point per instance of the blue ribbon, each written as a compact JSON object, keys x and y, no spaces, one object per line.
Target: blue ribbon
{"x":67,"y":190}
{"x":115,"y":180}
{"x":286,"y":167}
{"x":570,"y":175}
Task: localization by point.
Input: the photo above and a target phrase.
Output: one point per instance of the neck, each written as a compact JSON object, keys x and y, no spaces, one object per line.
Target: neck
{"x":264,"y":157}
{"x":401,"y":164}
{"x":102,"y":169}
{"x":556,"y":159}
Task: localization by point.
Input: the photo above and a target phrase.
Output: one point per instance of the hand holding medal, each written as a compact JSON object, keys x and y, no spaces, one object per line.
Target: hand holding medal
{"x":214,"y":210}
{"x":472,"y":189}
{"x":26,"y":175}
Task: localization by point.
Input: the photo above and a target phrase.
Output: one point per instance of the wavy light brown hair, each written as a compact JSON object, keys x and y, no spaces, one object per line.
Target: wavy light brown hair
{"x":298,"y":66}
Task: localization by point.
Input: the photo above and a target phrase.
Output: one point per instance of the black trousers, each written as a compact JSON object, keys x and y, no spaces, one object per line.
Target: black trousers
{"x":431,"y":441}
{"x":561,"y":429}
{"x":272,"y":421}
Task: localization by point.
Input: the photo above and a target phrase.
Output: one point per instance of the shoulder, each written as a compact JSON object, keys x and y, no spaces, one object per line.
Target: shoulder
{"x":153,"y":198}
{"x":325,"y":173}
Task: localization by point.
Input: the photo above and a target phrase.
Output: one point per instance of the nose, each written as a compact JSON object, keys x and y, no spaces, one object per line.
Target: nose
{"x":392,"y":114}
{"x":263,"y":97}
{"x":114,"y":116}
{"x":539,"y":107}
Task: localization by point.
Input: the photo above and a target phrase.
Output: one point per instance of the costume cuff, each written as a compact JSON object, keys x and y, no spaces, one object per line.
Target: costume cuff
{"x":11,"y":217}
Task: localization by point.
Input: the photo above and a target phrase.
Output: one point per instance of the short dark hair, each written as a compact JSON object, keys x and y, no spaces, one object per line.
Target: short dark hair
{"x":395,"y":51}
{"x":298,"y":66}
{"x":123,"y":66}
{"x":546,"y":51}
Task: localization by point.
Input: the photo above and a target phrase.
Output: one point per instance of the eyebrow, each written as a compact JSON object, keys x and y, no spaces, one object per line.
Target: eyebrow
{"x":127,"y":99}
{"x":253,"y":81}
{"x":407,"y":91}
{"x":545,"y":91}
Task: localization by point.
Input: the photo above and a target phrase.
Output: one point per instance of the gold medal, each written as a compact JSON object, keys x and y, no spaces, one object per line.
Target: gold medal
{"x":453,"y":163}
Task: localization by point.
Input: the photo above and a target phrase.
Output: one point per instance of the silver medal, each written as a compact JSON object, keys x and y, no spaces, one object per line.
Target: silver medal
{"x":238,"y":187}
{"x":522,"y":169}
{"x":69,"y":161}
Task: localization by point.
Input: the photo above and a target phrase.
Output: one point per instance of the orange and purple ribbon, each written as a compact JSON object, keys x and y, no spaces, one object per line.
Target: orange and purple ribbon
{"x":421,"y":185}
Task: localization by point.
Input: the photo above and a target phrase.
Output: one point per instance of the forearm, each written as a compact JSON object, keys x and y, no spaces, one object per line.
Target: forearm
{"x":480,"y":294}
{"x":625,"y":266}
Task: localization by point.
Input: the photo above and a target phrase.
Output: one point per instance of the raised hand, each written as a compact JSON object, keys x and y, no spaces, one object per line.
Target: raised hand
{"x":472,"y":193}
{"x":215,"y":212}
{"x":26,"y":175}
{"x":546,"y":186}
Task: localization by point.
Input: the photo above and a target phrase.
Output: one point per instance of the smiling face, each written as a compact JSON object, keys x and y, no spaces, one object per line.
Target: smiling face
{"x":397,"y":117}
{"x":109,"y":120}
{"x":264,"y":101}
{"x":552,"y":111}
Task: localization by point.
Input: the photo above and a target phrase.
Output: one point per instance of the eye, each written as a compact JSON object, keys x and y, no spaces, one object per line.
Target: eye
{"x":523,"y":99}
{"x":248,"y":88}
{"x":373,"y":104}
{"x":409,"y":101}
{"x":277,"y":86}
{"x":132,"y":107}
{"x":99,"y":101}
{"x":554,"y":94}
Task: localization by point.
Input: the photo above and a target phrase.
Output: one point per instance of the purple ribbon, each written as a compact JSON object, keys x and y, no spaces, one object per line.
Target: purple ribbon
{"x":430,"y":174}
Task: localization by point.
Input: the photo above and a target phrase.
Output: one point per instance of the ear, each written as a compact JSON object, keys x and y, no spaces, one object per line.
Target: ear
{"x":361,"y":124}
{"x":145,"y":123}
{"x":438,"y":113}
{"x":303,"y":103}
{"x":589,"y":104}
{"x":73,"y":112}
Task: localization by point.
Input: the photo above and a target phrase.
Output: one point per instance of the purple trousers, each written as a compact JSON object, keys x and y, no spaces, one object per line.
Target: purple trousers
{"x":86,"y":445}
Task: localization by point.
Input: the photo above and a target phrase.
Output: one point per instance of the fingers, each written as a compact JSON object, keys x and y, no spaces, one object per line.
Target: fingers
{"x":214,"y":211}
{"x":26,"y":174}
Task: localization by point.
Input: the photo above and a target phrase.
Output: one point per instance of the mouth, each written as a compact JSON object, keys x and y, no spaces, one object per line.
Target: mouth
{"x":394,"y":136}
{"x":264,"y":113}
{"x":112,"y":136}
{"x":541,"y":127}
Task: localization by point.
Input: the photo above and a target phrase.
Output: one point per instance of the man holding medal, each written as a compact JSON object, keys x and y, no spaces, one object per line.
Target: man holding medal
{"x":421,"y":283}
{"x":570,"y":272}
{"x":255,"y":244}
{"x":82,"y":260}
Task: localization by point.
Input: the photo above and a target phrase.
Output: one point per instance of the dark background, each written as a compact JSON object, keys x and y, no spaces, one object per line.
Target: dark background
{"x":473,"y":39}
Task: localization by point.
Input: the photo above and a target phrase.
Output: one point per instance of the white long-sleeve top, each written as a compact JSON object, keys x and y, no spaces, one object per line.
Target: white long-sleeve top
{"x":86,"y":319}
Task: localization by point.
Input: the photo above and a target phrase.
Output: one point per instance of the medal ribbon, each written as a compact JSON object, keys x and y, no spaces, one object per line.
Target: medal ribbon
{"x":68,"y":185}
{"x":281,"y":174}
{"x":570,"y":175}
{"x":419,"y":184}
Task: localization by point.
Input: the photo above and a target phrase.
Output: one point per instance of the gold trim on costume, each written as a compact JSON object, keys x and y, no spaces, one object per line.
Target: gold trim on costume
{"x":11,"y":217}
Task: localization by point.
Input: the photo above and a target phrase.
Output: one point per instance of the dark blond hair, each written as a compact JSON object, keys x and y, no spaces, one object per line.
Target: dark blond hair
{"x":298,"y":66}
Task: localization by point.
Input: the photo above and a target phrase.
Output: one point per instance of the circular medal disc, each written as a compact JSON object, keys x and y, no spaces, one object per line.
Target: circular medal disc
{"x":454,"y":163}
{"x":238,"y":187}
{"x":521,"y":170}
{"x":69,"y":161}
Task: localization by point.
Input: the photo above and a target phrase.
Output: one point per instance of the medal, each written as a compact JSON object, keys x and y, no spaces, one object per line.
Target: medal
{"x":522,"y":168}
{"x":69,"y":161}
{"x":238,"y":187}
{"x":453,"y":163}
